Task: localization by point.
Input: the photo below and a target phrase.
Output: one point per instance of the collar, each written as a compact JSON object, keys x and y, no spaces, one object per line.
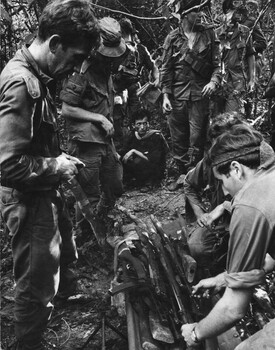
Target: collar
{"x":33,"y":64}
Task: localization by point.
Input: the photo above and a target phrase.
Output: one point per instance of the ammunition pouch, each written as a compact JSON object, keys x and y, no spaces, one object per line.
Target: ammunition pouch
{"x":198,"y":64}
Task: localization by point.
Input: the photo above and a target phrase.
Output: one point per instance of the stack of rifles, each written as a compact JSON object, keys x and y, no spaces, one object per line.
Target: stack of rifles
{"x":153,"y":281}
{"x":152,"y":286}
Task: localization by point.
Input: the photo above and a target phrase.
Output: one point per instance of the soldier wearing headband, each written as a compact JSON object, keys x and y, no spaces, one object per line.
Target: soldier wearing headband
{"x":245,"y":165}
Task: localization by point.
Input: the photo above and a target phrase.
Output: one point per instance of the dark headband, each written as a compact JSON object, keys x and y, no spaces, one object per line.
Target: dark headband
{"x":232,"y":155}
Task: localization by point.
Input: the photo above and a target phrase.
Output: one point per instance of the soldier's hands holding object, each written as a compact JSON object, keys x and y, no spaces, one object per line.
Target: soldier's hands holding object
{"x":213,"y":284}
{"x":67,"y":166}
{"x":209,"y":89}
{"x":207,"y":219}
{"x":186,"y":332}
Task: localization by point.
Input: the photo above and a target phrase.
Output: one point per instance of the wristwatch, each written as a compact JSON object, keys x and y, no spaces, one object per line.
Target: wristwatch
{"x":194,"y":336}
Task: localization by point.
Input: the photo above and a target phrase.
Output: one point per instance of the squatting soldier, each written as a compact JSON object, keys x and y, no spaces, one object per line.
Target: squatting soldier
{"x":236,"y":161}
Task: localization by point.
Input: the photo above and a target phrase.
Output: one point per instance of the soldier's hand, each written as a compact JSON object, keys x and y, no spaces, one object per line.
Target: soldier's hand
{"x":186,"y":330}
{"x":204,"y":220}
{"x":67,"y":166}
{"x":251,"y":86}
{"x":107,"y":126}
{"x":207,"y":219}
{"x":209,"y":89}
{"x":166,"y":105}
{"x":213,"y":284}
{"x":78,"y":163}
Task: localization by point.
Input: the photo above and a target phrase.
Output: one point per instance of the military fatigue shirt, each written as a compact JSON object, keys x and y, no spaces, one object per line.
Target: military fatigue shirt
{"x":28,"y":130}
{"x":236,"y":48}
{"x":91,"y":90}
{"x":177,"y":77}
{"x":252,"y":226}
{"x":197,"y":180}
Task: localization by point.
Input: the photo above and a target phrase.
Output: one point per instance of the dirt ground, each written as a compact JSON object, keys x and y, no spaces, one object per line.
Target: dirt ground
{"x":74,"y":320}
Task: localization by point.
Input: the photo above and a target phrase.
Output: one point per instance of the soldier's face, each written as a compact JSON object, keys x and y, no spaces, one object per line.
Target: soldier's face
{"x":62,"y":60}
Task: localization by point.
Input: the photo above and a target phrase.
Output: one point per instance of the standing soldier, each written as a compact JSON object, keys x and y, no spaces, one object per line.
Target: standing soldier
{"x":129,"y":74}
{"x":88,"y":108}
{"x":32,"y":165}
{"x":189,"y":74}
{"x":238,"y":61}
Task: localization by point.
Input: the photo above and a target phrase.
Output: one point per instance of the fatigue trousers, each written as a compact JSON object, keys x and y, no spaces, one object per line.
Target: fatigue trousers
{"x":101,"y":178}
{"x":42,"y":241}
{"x":188,"y":128}
{"x":206,"y":245}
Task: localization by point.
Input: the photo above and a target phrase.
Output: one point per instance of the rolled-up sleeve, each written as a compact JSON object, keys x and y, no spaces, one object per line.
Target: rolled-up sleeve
{"x":249,"y":239}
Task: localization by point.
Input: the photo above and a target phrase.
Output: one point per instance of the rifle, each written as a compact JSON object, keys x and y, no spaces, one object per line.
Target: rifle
{"x":175,"y":260}
{"x":178,"y":312}
{"x":165,"y":262}
{"x":189,"y":264}
{"x":134,"y":342}
{"x":85,"y":207}
{"x":154,"y":271}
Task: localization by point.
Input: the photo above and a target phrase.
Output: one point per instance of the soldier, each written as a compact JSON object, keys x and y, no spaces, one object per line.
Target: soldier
{"x":238,"y":61}
{"x":208,"y":238}
{"x":88,"y":108}
{"x":130,"y":71}
{"x":236,"y":160}
{"x":190,"y":73}
{"x":33,"y":167}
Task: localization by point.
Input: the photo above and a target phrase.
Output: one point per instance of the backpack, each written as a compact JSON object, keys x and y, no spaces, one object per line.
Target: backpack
{"x":127,"y":74}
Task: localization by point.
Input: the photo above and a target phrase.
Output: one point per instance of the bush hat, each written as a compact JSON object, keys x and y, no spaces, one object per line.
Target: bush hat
{"x":112,"y":44}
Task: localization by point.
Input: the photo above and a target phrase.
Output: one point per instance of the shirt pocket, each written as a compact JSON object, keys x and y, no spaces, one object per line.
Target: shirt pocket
{"x":95,"y":97}
{"x":73,"y":89}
